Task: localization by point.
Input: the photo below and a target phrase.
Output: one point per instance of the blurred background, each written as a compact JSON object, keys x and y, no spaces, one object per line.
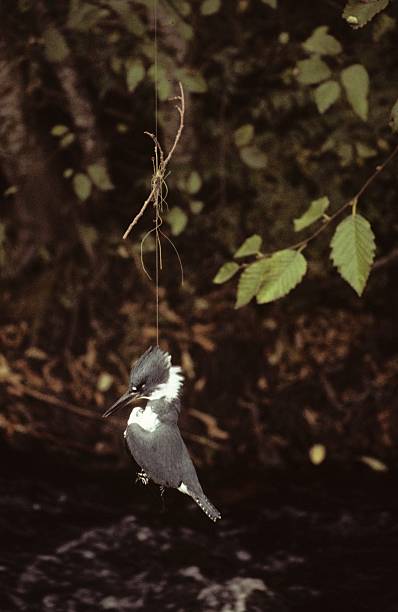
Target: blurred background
{"x":289,"y":408}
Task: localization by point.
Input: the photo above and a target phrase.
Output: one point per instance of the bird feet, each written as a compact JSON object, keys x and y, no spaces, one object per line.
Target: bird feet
{"x":142,"y":477}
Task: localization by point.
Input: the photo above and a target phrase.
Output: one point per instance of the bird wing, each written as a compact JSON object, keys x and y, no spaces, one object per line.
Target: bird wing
{"x":163,"y":455}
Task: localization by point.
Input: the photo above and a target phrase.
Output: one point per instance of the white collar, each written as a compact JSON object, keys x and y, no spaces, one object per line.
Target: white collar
{"x":171,"y":388}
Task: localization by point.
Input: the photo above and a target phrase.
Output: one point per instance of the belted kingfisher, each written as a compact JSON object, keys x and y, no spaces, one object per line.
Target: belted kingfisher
{"x":152,"y":434}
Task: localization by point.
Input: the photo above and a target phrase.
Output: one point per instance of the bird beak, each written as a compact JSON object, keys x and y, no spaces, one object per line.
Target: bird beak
{"x":124,"y":400}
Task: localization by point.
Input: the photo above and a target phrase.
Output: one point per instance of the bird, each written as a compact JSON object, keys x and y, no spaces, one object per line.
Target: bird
{"x":152,"y":434}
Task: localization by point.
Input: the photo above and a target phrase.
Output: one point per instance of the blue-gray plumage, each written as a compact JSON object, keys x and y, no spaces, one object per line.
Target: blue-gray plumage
{"x":152,"y":434}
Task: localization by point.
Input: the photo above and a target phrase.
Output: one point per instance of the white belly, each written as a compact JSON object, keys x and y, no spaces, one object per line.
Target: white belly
{"x":145,"y":418}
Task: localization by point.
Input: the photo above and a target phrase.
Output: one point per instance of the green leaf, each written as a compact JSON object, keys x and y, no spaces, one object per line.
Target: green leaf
{"x":226,"y":272}
{"x":104,"y":382}
{"x":383,"y":25}
{"x":374,"y":464}
{"x":312,"y":214}
{"x":244,"y":135}
{"x":88,"y":236}
{"x":192,"y":80}
{"x":185,"y":30}
{"x":194,"y":182}
{"x":358,"y":13}
{"x":326,"y":94}
{"x":184,"y":8}
{"x":364,"y":151}
{"x":353,"y":249}
{"x":210,"y":7}
{"x":129,"y":17}
{"x":59,"y":130}
{"x":196,"y":206}
{"x":394,"y":118}
{"x":177,"y":220}
{"x":100,"y":177}
{"x":311,"y":71}
{"x":135,"y":73}
{"x":253,"y":157}
{"x":55,"y":46}
{"x":67,"y":140}
{"x":251,"y":246}
{"x":163,"y":83}
{"x":68,"y":173}
{"x":322,"y":43}
{"x":285,"y":271}
{"x":272,"y":3}
{"x":250,"y":281}
{"x":355,"y":81}
{"x":83,"y":16}
{"x":12,"y":190}
{"x":317,"y":454}
{"x":82,"y":186}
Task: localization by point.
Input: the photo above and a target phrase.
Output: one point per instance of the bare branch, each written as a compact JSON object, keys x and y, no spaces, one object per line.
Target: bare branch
{"x":160,"y":167}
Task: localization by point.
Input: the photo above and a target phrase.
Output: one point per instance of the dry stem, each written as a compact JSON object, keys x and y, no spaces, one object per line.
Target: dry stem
{"x":160,"y":168}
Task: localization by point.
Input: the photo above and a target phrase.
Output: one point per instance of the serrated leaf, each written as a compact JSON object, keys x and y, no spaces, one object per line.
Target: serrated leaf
{"x":374,"y":464}
{"x":244,"y":135}
{"x":272,"y":3}
{"x":82,"y":186}
{"x":312,"y":71}
{"x":100,"y":177}
{"x":322,"y":43}
{"x":353,"y":249}
{"x":317,"y":454}
{"x":177,"y":219}
{"x":135,"y":73}
{"x":394,"y":118}
{"x":358,"y":13}
{"x":227,"y":271}
{"x":250,"y":281}
{"x":253,"y":157}
{"x":313,"y":213}
{"x":55,"y":46}
{"x":286,"y":270}
{"x":355,"y":81}
{"x":251,"y":246}
{"x":194,"y":182}
{"x":192,"y":80}
{"x":326,"y":94}
{"x":59,"y":130}
{"x":210,"y":7}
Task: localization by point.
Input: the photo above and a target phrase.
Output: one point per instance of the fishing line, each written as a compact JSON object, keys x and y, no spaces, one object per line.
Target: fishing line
{"x":157,"y":245}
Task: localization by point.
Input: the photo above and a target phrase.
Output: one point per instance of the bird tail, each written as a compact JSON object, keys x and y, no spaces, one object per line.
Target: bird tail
{"x":207,"y":507}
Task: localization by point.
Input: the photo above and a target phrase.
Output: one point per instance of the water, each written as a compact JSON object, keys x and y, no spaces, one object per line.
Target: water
{"x":319,"y":541}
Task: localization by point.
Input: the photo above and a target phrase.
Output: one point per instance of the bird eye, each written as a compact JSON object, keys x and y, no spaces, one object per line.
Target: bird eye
{"x":134,"y":389}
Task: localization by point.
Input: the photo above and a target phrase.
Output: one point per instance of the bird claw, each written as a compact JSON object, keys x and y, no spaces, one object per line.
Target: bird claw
{"x":142,"y":477}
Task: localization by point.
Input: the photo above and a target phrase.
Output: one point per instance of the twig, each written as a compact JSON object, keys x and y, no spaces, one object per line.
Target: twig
{"x":54,"y":401}
{"x":386,"y":260}
{"x":158,"y":177}
{"x":352,"y":202}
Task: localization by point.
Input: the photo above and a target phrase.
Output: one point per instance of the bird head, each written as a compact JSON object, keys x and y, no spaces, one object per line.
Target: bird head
{"x":151,"y":377}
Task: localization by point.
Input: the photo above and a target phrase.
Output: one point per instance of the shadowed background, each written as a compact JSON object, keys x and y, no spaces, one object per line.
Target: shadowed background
{"x":290,"y":401}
